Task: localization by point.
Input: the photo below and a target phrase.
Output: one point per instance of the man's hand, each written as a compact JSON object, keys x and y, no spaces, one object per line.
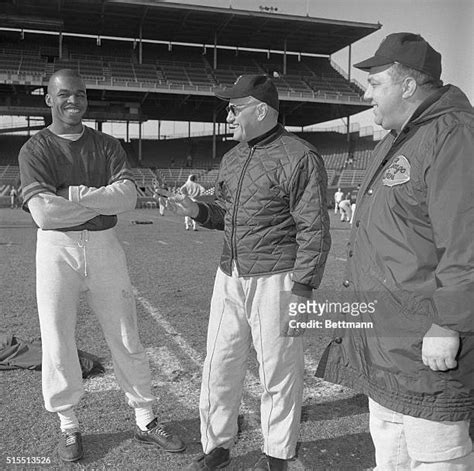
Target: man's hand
{"x":183,"y":205}
{"x":299,"y":317}
{"x":440,"y":347}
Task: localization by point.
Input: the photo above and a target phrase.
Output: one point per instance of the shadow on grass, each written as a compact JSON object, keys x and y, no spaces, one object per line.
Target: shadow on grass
{"x":349,"y":452}
{"x":98,"y":445}
{"x":353,"y":452}
{"x":355,"y":405}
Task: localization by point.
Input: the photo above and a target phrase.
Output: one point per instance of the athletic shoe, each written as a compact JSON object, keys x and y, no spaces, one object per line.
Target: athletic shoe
{"x":158,"y":434}
{"x":269,"y":463}
{"x":70,"y":446}
{"x":217,"y":459}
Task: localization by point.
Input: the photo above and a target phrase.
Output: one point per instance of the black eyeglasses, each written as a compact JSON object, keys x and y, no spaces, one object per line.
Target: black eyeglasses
{"x":237,"y":109}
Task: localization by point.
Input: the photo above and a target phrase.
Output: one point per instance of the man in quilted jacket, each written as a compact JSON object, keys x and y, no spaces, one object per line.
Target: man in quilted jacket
{"x":271,"y":205}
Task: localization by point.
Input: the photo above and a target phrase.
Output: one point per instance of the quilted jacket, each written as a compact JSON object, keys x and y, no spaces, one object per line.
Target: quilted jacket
{"x":271,"y":204}
{"x":412,"y":250}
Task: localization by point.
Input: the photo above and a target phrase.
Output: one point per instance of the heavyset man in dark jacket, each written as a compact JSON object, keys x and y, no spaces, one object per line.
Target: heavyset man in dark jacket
{"x":271,"y":204}
{"x":412,"y":249}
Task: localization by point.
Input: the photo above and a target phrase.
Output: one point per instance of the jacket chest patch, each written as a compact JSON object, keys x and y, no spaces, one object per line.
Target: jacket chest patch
{"x":398,"y":172}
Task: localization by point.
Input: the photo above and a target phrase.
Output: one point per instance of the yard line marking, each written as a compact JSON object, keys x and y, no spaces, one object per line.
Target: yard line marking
{"x":162,"y":242}
{"x":163,"y":360}
{"x":341,"y":259}
{"x":252,"y":385}
{"x":165,"y":370}
{"x":193,"y":354}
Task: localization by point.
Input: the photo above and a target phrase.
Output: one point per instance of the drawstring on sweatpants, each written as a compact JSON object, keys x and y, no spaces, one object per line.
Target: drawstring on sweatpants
{"x":82,"y":243}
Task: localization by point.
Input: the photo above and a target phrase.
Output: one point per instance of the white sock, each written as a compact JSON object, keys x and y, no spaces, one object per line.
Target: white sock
{"x":143,"y":416}
{"x":68,"y":420}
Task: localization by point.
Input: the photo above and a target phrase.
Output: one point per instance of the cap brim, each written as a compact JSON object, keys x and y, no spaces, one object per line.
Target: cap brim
{"x":226,"y":93}
{"x":375,"y":61}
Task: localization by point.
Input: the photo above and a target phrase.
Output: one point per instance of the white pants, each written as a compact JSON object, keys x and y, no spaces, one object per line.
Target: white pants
{"x":404,"y":443}
{"x":246,"y":310}
{"x":68,"y":263}
{"x":353,"y":208}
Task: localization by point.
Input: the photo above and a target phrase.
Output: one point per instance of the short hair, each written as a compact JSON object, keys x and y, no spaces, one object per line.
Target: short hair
{"x":399,"y":72}
{"x":64,"y":73}
{"x":192,"y":178}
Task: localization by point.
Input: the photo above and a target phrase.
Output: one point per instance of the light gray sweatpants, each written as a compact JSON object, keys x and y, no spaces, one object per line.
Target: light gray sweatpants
{"x":68,"y":263}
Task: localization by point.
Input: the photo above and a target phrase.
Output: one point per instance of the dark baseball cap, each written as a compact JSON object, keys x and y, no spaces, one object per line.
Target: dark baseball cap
{"x":408,"y":49}
{"x":260,"y":87}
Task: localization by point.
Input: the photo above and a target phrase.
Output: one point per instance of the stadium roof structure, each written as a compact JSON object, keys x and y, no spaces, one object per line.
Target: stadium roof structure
{"x":176,"y":23}
{"x":185,"y":23}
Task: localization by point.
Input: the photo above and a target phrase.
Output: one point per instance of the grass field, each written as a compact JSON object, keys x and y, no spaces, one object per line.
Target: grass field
{"x":172,"y":272}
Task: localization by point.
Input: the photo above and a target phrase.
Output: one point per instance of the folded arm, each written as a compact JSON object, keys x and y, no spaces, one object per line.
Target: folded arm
{"x":112,"y":199}
{"x":50,"y":211}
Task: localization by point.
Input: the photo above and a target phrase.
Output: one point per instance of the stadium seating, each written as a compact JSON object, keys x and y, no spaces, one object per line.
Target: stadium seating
{"x":9,"y":175}
{"x":117,"y":64}
{"x":144,"y":177}
{"x":350,"y":177}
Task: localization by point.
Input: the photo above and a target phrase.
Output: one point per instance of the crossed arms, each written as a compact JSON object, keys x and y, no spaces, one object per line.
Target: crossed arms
{"x":76,"y":205}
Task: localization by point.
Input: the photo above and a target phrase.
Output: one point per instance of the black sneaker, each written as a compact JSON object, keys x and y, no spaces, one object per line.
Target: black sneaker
{"x":217,"y":459}
{"x":269,"y":463}
{"x":157,"y":434}
{"x":70,"y":446}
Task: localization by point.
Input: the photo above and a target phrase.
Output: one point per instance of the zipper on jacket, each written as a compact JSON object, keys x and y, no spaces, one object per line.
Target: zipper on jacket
{"x":233,"y":238}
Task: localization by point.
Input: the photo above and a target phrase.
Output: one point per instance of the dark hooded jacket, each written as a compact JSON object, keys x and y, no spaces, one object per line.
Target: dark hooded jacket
{"x":271,"y":203}
{"x":411,"y":250}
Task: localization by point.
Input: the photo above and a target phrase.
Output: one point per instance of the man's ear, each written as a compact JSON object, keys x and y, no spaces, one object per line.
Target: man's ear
{"x":409,"y":87}
{"x":48,"y":100}
{"x":262,"y":110}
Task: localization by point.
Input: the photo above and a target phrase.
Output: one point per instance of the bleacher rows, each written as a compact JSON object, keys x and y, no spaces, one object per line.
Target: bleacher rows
{"x":311,"y":79}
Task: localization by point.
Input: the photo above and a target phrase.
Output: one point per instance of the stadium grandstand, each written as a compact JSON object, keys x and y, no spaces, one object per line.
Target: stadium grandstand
{"x":158,"y":61}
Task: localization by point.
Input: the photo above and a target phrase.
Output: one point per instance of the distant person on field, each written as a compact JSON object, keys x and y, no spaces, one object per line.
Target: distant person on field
{"x":75,"y":181}
{"x":338,"y":196}
{"x":13,"y":197}
{"x":345,"y":208}
{"x":412,"y":251}
{"x":192,"y":189}
{"x":160,"y":193}
{"x":271,"y":205}
{"x":353,"y":200}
